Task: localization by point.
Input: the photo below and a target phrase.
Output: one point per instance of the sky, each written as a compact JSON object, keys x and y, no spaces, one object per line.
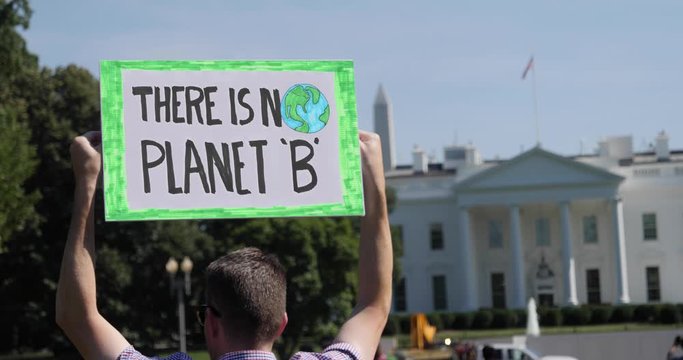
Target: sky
{"x":452,"y":69}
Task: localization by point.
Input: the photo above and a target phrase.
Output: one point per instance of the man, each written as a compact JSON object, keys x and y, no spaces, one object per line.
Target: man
{"x":676,"y":350}
{"x":245,"y":311}
{"x":489,"y":353}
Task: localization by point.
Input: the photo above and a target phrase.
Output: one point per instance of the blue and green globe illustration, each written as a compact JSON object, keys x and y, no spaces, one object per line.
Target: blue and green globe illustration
{"x":305,"y":109}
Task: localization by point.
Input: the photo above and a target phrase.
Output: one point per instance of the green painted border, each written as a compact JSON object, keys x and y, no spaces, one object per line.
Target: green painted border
{"x":113,"y":142}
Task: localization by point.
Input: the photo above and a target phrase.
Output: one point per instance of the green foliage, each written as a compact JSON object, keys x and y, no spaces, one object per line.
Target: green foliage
{"x":549,"y":317}
{"x":601,"y":314}
{"x":447,"y":319}
{"x":669,"y":314}
{"x":16,"y":166}
{"x":503,"y":319}
{"x":521,"y":317}
{"x":392,"y":327}
{"x":647,"y":313}
{"x":15,"y":13}
{"x":482,"y":319}
{"x":463,"y":321}
{"x":434,"y":319}
{"x":622,"y":314}
{"x":14,"y":57}
{"x":404,"y":323}
{"x":574,"y":315}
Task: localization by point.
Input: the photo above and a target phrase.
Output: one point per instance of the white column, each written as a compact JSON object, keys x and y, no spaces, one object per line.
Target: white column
{"x":467,"y":257}
{"x":568,"y":266}
{"x":518,"y":283}
{"x":620,"y":251}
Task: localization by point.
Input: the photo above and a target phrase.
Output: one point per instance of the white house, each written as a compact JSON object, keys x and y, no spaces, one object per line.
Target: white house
{"x":602,"y":228}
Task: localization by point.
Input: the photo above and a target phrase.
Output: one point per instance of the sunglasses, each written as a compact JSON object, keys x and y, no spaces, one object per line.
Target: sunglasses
{"x":200,"y":311}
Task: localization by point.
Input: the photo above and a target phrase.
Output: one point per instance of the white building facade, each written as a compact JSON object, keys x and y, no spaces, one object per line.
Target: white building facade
{"x":603,"y":228}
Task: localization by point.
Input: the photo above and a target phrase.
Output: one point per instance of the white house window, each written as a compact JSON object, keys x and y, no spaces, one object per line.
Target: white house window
{"x":542,"y":232}
{"x":436,"y":236}
{"x":593,"y":286}
{"x":650,"y":226}
{"x":590,"y":229}
{"x":400,"y":295}
{"x":495,"y":234}
{"x":545,"y":279}
{"x":653,"y":287}
{"x":498,"y":290}
{"x":439,"y":292}
{"x":397,"y":233}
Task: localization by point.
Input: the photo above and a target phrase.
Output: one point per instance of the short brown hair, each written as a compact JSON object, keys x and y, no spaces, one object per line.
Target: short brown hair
{"x":249,"y":289}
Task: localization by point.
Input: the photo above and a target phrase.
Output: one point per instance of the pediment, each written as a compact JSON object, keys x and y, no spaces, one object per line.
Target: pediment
{"x":538,"y":168}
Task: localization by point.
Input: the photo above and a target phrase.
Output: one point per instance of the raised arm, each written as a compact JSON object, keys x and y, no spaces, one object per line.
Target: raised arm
{"x":76,"y":311}
{"x":364,"y":328}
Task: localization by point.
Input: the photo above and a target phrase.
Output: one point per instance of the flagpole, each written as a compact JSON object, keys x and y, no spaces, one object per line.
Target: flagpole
{"x":538,"y":131}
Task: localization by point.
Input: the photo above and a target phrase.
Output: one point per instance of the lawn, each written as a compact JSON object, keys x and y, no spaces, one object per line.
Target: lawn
{"x":199,"y":355}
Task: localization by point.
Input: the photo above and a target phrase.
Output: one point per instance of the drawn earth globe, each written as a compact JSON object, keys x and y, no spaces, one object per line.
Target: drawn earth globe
{"x":305,"y":109}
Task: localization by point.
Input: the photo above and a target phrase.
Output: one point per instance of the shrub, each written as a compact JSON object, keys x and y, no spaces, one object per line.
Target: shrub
{"x":576,"y":315}
{"x":503,"y":319}
{"x":550,"y":317}
{"x":392,"y":327}
{"x":448,"y":319}
{"x":404,"y":324}
{"x":669,"y":314}
{"x":463,"y":321}
{"x":521,"y":317}
{"x":646,"y":313}
{"x":601,"y":314}
{"x":482,"y":319}
{"x":435,"y":320}
{"x":622,"y":314}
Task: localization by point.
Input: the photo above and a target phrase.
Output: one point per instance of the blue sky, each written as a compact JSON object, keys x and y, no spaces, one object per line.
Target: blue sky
{"x":451,"y":68}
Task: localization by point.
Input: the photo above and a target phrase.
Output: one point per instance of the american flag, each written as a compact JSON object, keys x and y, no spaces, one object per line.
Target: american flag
{"x":528,"y":67}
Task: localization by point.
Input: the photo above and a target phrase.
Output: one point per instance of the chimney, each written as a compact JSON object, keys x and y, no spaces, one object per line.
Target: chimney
{"x":419,"y":161}
{"x":472,"y":156}
{"x":616,"y":147}
{"x":457,"y":156}
{"x":662,"y":146}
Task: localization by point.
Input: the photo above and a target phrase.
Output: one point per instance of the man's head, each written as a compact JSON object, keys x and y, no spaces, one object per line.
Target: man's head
{"x":489,"y":353}
{"x":248,"y":289}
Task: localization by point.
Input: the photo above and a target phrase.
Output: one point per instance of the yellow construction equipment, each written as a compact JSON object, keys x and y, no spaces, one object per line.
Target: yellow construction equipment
{"x":421,"y":333}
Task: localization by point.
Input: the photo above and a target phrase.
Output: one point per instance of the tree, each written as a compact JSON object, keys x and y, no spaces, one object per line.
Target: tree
{"x":19,"y":159}
{"x":14,"y":57}
{"x":16,"y":166}
{"x":39,"y":114}
{"x":52,"y":113}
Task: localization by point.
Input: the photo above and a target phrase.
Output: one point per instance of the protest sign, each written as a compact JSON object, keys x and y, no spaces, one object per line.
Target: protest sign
{"x":229,"y":139}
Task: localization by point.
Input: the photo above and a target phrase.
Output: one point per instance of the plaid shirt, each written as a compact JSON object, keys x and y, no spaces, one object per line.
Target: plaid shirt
{"x":338,"y":351}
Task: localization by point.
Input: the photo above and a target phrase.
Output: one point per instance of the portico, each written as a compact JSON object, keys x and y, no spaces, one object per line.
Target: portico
{"x":539,"y":206}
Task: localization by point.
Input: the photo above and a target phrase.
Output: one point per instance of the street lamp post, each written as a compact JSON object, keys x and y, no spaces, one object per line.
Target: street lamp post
{"x":181,"y":288}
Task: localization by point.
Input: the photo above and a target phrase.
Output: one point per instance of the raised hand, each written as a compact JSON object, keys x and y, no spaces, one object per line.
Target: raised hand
{"x":86,"y":157}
